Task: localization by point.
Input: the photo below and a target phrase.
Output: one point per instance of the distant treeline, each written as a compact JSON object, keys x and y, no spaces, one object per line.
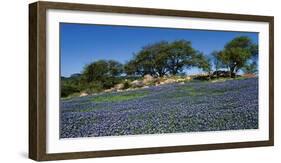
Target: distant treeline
{"x":163,"y":58}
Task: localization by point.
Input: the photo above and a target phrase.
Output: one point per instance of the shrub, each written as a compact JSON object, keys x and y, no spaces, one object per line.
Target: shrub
{"x":126,"y":85}
{"x":94,"y":87}
{"x":67,"y":90}
{"x":109,"y":82}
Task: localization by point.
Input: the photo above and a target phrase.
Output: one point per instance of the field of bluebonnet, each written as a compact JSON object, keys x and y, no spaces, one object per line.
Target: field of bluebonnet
{"x":172,"y":108}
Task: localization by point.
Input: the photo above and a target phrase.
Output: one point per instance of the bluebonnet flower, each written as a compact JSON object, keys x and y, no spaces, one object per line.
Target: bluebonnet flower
{"x":171,"y":108}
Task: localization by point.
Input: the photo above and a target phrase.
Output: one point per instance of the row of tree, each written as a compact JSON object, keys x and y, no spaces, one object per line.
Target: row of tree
{"x":172,"y":58}
{"x":165,"y":58}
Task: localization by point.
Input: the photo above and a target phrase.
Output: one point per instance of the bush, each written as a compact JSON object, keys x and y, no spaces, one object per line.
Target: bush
{"x":67,"y":90}
{"x":202,"y":77}
{"x":126,"y":85}
{"x":94,"y":87}
{"x":109,"y":82}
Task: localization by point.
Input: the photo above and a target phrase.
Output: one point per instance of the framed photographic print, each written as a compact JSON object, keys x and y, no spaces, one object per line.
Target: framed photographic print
{"x":112,"y":81}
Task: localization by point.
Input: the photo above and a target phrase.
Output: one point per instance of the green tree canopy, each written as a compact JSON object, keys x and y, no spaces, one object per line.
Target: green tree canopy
{"x":161,"y":58}
{"x":237,"y":52}
{"x":204,"y":63}
{"x":151,"y":59}
{"x":131,"y":68}
{"x":216,"y":60}
{"x":114,"y":68}
{"x":251,"y":67}
{"x":95,"y":71}
{"x":102,"y":73}
{"x":181,"y":55}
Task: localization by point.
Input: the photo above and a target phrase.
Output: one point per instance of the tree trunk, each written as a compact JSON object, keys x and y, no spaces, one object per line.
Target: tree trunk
{"x":232,"y":74}
{"x":174,"y":72}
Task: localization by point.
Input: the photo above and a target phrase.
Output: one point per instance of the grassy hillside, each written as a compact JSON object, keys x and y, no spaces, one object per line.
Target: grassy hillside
{"x":170,"y":108}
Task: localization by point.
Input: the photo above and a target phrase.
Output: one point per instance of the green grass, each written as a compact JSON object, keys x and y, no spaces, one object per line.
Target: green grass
{"x":190,"y":91}
{"x":119,"y":98}
{"x":86,"y":110}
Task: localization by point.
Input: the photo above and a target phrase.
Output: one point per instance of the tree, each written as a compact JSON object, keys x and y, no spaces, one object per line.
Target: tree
{"x":252,"y":65}
{"x":181,"y":55}
{"x":144,"y":62}
{"x":131,"y":68}
{"x":161,"y":58}
{"x":96,"y":71}
{"x":250,"y":68}
{"x":151,"y":59}
{"x":102,"y":74}
{"x":71,"y":85}
{"x":216,"y":61}
{"x":159,"y":53}
{"x":204,"y":63}
{"x":114,"y":68}
{"x":236,"y":53}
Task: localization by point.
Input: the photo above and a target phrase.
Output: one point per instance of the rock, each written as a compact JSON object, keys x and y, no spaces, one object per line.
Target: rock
{"x":83,"y":94}
{"x":131,"y":89}
{"x":188,"y":78}
{"x":110,"y":90}
{"x":248,"y":75}
{"x":169,"y":81}
{"x":137,"y":83}
{"x":148,"y":79}
{"x":119,"y":86}
{"x":180,"y":80}
{"x":145,"y":87}
{"x":161,"y":83}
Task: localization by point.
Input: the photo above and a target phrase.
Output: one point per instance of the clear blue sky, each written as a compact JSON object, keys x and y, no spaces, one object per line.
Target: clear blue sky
{"x":81,"y":44}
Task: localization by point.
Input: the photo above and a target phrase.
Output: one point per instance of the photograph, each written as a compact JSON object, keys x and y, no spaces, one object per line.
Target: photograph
{"x":107,"y":80}
{"x":129,"y":80}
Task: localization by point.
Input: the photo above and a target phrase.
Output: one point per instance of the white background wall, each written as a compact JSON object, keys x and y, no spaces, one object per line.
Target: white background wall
{"x":14,"y":80}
